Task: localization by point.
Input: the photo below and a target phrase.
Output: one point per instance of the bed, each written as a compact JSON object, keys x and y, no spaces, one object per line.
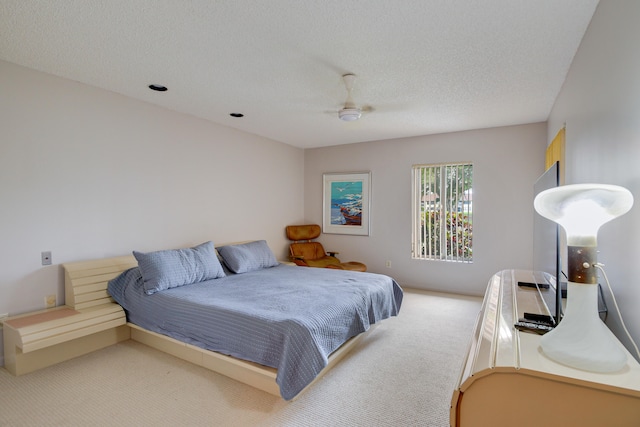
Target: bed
{"x":243,"y":305}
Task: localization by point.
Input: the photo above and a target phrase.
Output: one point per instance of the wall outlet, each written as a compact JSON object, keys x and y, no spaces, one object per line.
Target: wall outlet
{"x":388,"y":264}
{"x":50,"y":301}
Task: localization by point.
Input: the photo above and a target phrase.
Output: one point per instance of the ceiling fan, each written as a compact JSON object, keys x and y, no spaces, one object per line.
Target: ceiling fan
{"x":350,"y":111}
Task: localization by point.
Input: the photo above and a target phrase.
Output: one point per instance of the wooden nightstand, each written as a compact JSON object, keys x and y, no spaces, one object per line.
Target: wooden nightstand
{"x":91,"y":320}
{"x":44,"y":338}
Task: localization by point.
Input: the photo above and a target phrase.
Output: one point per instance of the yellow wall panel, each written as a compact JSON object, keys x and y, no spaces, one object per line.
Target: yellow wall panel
{"x":555,"y":152}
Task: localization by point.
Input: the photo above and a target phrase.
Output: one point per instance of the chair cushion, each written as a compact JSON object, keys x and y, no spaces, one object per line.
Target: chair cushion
{"x":327,"y":261}
{"x":353,"y":266}
{"x":308,"y":250}
{"x":303,"y":232}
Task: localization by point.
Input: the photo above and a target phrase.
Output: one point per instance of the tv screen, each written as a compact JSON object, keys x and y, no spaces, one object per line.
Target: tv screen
{"x":546,"y":246}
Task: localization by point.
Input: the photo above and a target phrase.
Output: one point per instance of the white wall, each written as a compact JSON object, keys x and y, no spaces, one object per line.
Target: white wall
{"x":600,"y":104}
{"x":87,"y":173}
{"x":506,"y":163}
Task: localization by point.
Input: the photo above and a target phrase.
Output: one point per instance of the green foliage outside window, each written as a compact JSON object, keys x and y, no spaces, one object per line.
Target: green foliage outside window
{"x":458,"y":238}
{"x":443,"y":191}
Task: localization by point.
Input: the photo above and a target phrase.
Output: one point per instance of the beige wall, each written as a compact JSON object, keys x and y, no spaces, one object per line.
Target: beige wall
{"x":600,"y":104}
{"x":506,"y":162}
{"x":87,"y":173}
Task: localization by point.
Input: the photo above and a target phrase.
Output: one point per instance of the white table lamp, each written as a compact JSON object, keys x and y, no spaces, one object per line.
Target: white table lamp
{"x":582,"y":340}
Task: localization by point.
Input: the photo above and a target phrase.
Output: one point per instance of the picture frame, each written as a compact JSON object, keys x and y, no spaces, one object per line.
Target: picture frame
{"x":346,"y":203}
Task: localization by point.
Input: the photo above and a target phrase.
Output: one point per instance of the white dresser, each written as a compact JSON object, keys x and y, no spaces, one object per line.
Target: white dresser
{"x":507,"y":381}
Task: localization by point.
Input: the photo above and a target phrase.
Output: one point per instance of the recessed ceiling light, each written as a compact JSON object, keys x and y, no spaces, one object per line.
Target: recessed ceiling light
{"x":158,"y":88}
{"x":236,"y":115}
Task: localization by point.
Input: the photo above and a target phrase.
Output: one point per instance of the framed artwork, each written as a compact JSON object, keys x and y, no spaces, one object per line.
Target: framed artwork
{"x":345,"y":205}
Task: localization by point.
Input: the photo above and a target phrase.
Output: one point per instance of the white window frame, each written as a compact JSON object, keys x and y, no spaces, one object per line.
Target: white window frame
{"x":451,"y":239}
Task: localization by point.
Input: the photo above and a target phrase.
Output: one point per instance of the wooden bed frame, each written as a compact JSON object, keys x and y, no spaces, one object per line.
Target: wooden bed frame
{"x":86,"y":285}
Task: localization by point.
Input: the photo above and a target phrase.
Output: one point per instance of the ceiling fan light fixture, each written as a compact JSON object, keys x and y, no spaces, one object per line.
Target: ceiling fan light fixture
{"x":349,"y":114}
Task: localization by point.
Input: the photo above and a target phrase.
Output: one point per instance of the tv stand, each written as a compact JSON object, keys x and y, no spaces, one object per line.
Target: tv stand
{"x":506,"y":380}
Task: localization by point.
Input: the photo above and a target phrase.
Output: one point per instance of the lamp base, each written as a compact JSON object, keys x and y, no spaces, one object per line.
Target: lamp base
{"x":582,"y":340}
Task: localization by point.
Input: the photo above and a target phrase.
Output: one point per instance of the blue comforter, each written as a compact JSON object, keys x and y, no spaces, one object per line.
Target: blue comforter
{"x":289,"y":318}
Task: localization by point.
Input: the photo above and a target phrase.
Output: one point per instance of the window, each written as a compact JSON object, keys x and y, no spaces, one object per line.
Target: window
{"x":442,"y":212}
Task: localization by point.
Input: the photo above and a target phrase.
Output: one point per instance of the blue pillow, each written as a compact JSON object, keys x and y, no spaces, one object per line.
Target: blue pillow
{"x":248,"y":256}
{"x":178,"y":267}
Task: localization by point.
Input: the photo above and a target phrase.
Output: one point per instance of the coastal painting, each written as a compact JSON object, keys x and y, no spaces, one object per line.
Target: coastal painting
{"x":346,"y":203}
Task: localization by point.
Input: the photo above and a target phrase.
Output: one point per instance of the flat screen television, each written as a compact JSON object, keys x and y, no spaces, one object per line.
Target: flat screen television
{"x":546,"y":247}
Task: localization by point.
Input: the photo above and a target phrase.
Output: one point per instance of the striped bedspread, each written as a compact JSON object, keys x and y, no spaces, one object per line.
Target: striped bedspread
{"x":289,"y":318}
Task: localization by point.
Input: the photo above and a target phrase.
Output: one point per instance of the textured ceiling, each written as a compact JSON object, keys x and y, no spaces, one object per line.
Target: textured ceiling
{"x":425,"y":66}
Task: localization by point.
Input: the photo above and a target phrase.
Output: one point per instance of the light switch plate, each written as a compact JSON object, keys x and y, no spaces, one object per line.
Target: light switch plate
{"x":46,"y":258}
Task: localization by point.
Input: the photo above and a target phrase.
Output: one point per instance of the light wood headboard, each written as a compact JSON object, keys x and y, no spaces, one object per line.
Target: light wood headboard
{"x":85,"y":282}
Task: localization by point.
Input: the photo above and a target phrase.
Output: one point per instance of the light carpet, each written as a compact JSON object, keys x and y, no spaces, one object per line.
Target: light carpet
{"x":402,"y":374}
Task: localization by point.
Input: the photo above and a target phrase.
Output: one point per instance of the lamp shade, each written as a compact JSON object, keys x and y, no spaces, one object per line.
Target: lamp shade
{"x":581,"y":209}
{"x":582,"y":340}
